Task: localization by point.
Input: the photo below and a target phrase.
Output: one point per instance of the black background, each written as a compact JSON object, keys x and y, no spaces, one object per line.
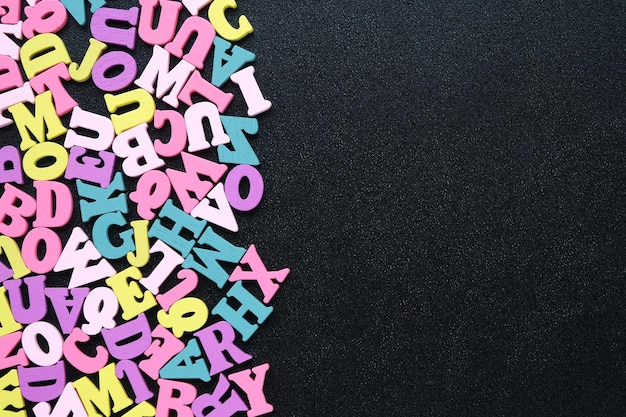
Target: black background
{"x":446,"y":182}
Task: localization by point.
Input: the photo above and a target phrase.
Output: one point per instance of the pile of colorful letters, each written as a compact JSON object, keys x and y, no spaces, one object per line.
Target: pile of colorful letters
{"x":104,"y":242}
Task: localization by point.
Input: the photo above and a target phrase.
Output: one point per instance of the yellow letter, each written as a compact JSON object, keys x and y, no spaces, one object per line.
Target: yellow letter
{"x":45,"y":117}
{"x":143,"y":409}
{"x":142,"y":244}
{"x":186,"y":315}
{"x":83,"y":72}
{"x":132,"y":300}
{"x":144,"y":113}
{"x":42,"y":52}
{"x":12,"y":252}
{"x":99,"y":398}
{"x":7,"y":322}
{"x":12,"y":397}
{"x":217,"y":17}
{"x":41,"y":151}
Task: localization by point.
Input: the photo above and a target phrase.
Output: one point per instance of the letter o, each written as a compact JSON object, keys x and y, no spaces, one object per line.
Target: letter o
{"x":233,"y":182}
{"x":111,"y":60}
{"x":40,"y":151}
{"x":30,"y":247}
{"x":33,"y":349}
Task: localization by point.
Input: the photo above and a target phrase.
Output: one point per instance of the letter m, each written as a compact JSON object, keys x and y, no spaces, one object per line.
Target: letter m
{"x":158,"y":71}
{"x":44,"y":124}
{"x":97,"y":400}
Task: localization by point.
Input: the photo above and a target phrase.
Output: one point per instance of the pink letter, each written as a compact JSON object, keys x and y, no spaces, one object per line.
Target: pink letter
{"x":253,"y":389}
{"x":46,"y":16}
{"x":30,"y":246}
{"x":178,"y":135}
{"x":15,"y":205}
{"x":205,"y":34}
{"x":68,"y":403}
{"x":49,"y":194}
{"x":84,"y":363}
{"x":167,"y":400}
{"x":8,"y":344}
{"x":167,"y":21}
{"x":153,"y":190}
{"x":160,"y":353}
{"x":197,"y":84}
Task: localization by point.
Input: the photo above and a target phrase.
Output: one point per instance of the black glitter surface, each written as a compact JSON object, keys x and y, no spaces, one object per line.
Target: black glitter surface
{"x":446,"y":181}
